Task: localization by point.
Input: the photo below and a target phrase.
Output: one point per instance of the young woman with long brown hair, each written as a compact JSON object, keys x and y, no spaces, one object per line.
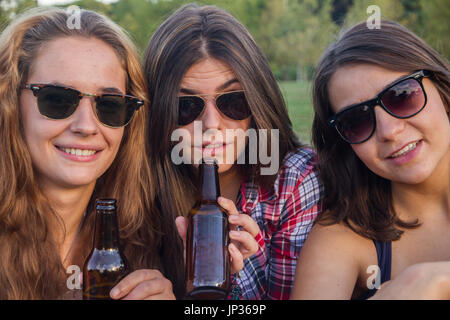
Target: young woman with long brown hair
{"x":382,"y":133}
{"x":206,"y":77}
{"x":62,"y":146}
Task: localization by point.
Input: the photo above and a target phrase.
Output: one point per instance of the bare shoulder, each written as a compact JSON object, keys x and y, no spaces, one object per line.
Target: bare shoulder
{"x":337,"y":236}
{"x":339,"y":243}
{"x":331,"y":263}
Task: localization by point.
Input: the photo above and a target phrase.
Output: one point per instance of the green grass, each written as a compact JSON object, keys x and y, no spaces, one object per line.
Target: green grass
{"x":300,"y":108}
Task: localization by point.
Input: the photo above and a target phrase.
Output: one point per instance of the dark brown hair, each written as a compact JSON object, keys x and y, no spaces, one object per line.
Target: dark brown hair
{"x":352,"y":193}
{"x":188,"y":36}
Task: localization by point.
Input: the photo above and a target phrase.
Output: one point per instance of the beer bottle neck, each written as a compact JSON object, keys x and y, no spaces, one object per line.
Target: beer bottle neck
{"x":106,"y":230}
{"x":210,"y":181}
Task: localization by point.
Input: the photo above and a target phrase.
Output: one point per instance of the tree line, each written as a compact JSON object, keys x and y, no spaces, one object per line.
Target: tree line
{"x":292,"y":33}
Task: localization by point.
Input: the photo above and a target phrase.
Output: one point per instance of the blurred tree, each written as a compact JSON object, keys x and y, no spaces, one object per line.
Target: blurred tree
{"x":94,"y":5}
{"x":10,"y":8}
{"x":434,"y":25}
{"x":427,"y":18}
{"x":294,"y":34}
{"x":389,"y":9}
{"x":136,"y":17}
{"x":340,"y":8}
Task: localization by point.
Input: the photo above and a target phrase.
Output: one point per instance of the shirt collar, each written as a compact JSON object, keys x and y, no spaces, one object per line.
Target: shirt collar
{"x":251,"y":194}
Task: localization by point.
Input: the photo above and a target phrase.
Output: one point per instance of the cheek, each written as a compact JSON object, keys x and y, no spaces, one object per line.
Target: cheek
{"x":114,"y":137}
{"x":36,"y":128}
{"x":184,"y":131}
{"x":224,"y":167}
{"x":38,"y":132}
{"x":367,"y":154}
{"x":26,"y":115}
{"x":243,"y":124}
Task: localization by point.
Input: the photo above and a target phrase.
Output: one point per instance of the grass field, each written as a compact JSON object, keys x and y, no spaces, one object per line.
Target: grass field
{"x":299,"y":104}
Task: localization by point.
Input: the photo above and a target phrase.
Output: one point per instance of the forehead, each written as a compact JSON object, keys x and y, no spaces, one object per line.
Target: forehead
{"x":76,"y":60}
{"x":356,"y":83}
{"x":207,"y":75}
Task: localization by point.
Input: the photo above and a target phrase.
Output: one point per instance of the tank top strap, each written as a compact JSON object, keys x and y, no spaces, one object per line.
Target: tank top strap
{"x":384,"y":253}
{"x":384,"y":256}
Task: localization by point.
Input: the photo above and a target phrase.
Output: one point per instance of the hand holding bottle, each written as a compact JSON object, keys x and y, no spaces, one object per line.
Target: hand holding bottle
{"x":143,"y":284}
{"x":243,"y":238}
{"x":104,"y":273}
{"x":243,"y":244}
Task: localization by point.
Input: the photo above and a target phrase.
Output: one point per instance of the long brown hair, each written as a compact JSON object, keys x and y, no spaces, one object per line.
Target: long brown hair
{"x":30,"y":267}
{"x":188,"y":36}
{"x":352,"y":193}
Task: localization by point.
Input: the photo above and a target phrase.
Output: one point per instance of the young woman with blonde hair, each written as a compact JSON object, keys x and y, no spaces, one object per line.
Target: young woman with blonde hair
{"x":72,"y":124}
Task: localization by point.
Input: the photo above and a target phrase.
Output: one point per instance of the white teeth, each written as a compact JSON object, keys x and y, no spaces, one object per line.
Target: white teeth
{"x":405,"y":150}
{"x":212,"y":146}
{"x":78,"y":152}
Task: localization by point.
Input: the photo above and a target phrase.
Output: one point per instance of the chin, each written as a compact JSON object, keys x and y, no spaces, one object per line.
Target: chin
{"x":225,"y":167}
{"x":78,"y":180}
{"x":412,"y":178}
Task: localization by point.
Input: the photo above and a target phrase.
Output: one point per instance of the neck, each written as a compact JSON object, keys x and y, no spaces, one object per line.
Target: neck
{"x":230,"y":182}
{"x":70,"y":206}
{"x":430,"y":197}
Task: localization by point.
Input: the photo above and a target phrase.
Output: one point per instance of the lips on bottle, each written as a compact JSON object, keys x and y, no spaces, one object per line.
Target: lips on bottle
{"x":213,"y":149}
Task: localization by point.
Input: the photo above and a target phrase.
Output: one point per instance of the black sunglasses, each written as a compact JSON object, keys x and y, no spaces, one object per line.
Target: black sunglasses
{"x":232,"y":104}
{"x":402,"y":99}
{"x":112,"y":110}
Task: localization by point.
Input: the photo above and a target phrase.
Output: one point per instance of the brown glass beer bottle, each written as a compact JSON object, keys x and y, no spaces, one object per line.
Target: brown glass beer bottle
{"x":106,"y":265}
{"x":207,"y":257}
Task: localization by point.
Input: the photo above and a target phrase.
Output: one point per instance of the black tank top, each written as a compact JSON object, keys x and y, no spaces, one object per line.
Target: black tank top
{"x":384,"y":254}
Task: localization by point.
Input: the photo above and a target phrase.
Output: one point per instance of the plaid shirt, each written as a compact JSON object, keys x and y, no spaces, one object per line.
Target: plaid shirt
{"x":285,"y":215}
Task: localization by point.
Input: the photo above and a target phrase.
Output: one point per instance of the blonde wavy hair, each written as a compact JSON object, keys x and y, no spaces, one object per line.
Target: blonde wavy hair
{"x":30,"y":267}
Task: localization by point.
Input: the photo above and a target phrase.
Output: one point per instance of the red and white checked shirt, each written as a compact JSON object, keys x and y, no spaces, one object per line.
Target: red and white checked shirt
{"x":285,"y":215}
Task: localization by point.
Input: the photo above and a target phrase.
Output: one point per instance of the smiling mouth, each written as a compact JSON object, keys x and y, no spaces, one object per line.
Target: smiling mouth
{"x":405,"y":150}
{"x":78,"y":152}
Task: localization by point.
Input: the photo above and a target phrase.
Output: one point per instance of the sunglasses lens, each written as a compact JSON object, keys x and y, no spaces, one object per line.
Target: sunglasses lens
{"x":405,"y":99}
{"x":57,"y":103}
{"x":234,"y":105}
{"x":356,"y":124}
{"x":189,"y":108}
{"x":115,"y":111}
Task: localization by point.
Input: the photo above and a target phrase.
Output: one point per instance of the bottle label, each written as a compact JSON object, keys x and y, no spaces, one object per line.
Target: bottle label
{"x":209,"y":246}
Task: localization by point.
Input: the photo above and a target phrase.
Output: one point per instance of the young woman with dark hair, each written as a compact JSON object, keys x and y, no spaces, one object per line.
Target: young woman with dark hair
{"x":382,"y":134}
{"x":206,"y":75}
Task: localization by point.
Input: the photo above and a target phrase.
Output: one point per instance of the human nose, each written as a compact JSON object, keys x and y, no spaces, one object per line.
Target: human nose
{"x":388,"y":126}
{"x":211,"y":116}
{"x":84,"y":119}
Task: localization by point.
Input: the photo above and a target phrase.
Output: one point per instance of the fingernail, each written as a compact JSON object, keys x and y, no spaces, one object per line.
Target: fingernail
{"x":235,"y":233}
{"x":114,"y":292}
{"x":233,"y":218}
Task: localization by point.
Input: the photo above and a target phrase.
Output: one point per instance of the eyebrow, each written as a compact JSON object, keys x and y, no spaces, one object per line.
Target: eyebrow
{"x":219,"y":89}
{"x":103,"y":89}
{"x":111,"y":90}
